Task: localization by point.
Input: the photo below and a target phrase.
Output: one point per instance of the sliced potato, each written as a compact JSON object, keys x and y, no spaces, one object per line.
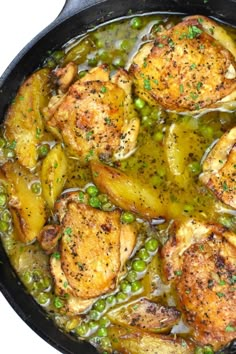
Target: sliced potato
{"x":24,"y":123}
{"x":27,"y":208}
{"x":126,"y":192}
{"x":146,"y":315}
{"x":54,"y":174}
{"x":134,"y":341}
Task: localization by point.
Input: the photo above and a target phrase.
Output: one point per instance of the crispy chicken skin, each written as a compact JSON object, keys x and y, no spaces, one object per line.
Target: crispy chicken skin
{"x":96,"y":118}
{"x":219,"y":169}
{"x":188,"y":67}
{"x":199,"y":259}
{"x":94,"y":245}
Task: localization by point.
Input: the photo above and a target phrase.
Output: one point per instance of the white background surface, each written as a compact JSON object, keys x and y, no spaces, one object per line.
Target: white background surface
{"x":20,"y":21}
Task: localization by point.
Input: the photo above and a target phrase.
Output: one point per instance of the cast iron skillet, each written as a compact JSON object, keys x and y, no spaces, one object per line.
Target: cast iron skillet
{"x":75,"y":18}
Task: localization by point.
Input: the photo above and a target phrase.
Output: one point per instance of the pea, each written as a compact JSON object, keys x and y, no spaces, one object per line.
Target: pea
{"x":147,"y":121}
{"x":120,"y":297}
{"x":3,"y":226}
{"x":125,"y":45}
{"x":125,"y":286}
{"x":2,"y":142}
{"x":136,"y":286}
{"x":118,"y":62}
{"x":111,"y":300}
{"x":155,"y":180}
{"x":94,"y":315}
{"x":27,"y":278}
{"x":151,"y":245}
{"x":43,"y":150}
{"x":82,"y":73}
{"x":127,"y":217}
{"x":95,"y":202}
{"x":107,"y":207}
{"x":136,"y":23}
{"x":92,"y":61}
{"x":225,"y":220}
{"x":131,"y":276}
{"x":207,"y":132}
{"x":146,"y":111}
{"x":105,"y":343}
{"x":92,"y":191}
{"x":104,"y":322}
{"x":9,"y":153}
{"x":46,"y":282}
{"x":58,"y":303}
{"x":82,"y":330}
{"x":3,"y":199}
{"x":194,"y":167}
{"x":198,"y":350}
{"x":207,"y":349}
{"x":58,"y":55}
{"x":103,"y":198}
{"x":139,"y":103}
{"x":143,"y":254}
{"x":158,"y":136}
{"x":104,"y":55}
{"x":43,"y":298}
{"x":188,"y":208}
{"x":100,"y":305}
{"x":92,"y":324}
{"x":51,"y":64}
{"x":138,"y":265}
{"x":36,"y":188}
{"x":102,"y":332}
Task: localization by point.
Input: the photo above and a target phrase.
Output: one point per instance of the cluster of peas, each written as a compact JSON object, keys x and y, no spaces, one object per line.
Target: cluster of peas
{"x":39,"y":285}
{"x":96,"y":323}
{"x":5,"y":216}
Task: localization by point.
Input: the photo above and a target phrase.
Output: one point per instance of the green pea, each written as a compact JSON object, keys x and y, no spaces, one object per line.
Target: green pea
{"x":46,"y":282}
{"x":143,"y":254}
{"x":43,"y":150}
{"x":103,"y":198}
{"x":101,"y":332}
{"x":111,"y":300}
{"x":9,"y":153}
{"x":43,"y":298}
{"x":27,"y":278}
{"x":3,"y":226}
{"x":95,"y":202}
{"x":127,"y":217}
{"x":107,"y":206}
{"x":118,"y":62}
{"x":36,"y":187}
{"x":207,"y":349}
{"x":82,"y":330}
{"x":151,"y":245}
{"x":94,"y":315}
{"x":125,"y":45}
{"x":225,"y":220}
{"x":92,"y":324}
{"x":58,"y":55}
{"x":136,"y":23}
{"x":92,"y":61}
{"x":105,"y":343}
{"x":155,"y":180}
{"x":104,"y":322}
{"x":82,"y":73}
{"x":188,"y":208}
{"x":146,"y":111}
{"x":3,"y":199}
{"x":207,"y":132}
{"x":51,"y":64}
{"x":131,"y":276}
{"x":100,"y":305}
{"x":158,"y":136}
{"x":198,"y":350}
{"x":139,"y":103}
{"x":194,"y":167}
{"x":120,"y":297}
{"x":2,"y":142}
{"x":139,"y":265}
{"x":92,"y":191}
{"x":58,"y":303}
{"x":147,"y":121}
{"x":104,"y":55}
{"x":136,"y":286}
{"x":125,"y":286}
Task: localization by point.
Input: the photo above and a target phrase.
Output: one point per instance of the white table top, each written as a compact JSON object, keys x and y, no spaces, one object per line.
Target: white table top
{"x":20,"y":21}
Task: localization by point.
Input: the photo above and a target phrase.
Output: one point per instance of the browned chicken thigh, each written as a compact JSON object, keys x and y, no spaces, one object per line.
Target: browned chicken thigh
{"x":188,"y":67}
{"x":199,"y":259}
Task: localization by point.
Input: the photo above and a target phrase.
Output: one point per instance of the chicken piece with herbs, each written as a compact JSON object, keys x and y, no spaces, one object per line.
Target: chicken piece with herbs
{"x":219,"y":169}
{"x":96,"y":117}
{"x":199,"y":259}
{"x":93,"y":248}
{"x":188,"y":67}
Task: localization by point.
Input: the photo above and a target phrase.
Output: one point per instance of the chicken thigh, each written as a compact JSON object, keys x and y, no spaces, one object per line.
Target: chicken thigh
{"x":188,"y":67}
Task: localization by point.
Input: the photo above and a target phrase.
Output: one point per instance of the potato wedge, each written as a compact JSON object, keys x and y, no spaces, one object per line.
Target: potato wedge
{"x":146,"y":315}
{"x":24,"y":123}
{"x":126,"y":192}
{"x":53,"y":174}
{"x":23,"y":202}
{"x":134,"y":341}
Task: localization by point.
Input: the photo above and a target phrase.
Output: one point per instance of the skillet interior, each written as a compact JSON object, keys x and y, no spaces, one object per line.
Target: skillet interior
{"x":70,"y":23}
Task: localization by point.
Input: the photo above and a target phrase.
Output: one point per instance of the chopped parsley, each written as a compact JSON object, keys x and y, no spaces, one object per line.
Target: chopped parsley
{"x":193,"y":66}
{"x":68,"y":231}
{"x":230,"y":328}
{"x":147,"y":84}
{"x":56,"y":255}
{"x":181,"y":88}
{"x":103,"y":89}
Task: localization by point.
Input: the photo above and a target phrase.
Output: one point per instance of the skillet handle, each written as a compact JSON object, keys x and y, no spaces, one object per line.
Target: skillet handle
{"x":71,"y":7}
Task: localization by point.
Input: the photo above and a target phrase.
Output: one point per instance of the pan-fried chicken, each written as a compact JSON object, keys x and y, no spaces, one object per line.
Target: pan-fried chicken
{"x":219,"y":169}
{"x":188,"y":67}
{"x":94,"y":245}
{"x":199,"y":259}
{"x":96,"y":117}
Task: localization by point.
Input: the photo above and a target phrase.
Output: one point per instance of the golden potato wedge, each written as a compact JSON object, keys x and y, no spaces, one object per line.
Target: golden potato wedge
{"x":53,"y":174}
{"x":27,"y":208}
{"x":134,"y":341}
{"x":146,"y":315}
{"x":126,"y":192}
{"x":24,"y":123}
